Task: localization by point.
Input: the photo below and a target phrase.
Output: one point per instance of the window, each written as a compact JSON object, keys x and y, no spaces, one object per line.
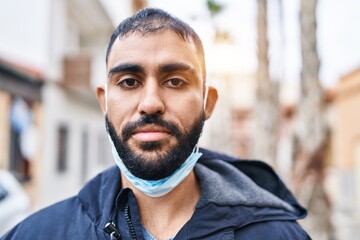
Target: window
{"x":84,"y":154}
{"x":104,"y":157}
{"x":20,"y":121}
{"x":62,"y":148}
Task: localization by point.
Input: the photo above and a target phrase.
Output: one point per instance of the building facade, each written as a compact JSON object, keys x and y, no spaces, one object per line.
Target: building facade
{"x":52,"y":131}
{"x":346,"y":156}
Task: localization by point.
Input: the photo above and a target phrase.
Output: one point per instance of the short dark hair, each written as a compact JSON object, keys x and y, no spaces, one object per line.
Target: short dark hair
{"x":152,"y":20}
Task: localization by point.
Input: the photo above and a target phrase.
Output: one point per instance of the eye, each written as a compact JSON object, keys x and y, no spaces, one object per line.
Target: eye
{"x":174,"y":82}
{"x":129,"y":83}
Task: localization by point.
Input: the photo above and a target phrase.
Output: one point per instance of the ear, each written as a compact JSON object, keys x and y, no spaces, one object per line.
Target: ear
{"x":100,"y":93}
{"x":211,"y":101}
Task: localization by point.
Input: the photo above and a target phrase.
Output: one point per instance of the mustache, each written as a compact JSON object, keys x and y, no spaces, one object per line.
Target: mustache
{"x":146,"y":119}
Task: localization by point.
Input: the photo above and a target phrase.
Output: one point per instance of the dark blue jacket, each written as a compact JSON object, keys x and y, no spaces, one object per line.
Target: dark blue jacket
{"x":239,"y":200}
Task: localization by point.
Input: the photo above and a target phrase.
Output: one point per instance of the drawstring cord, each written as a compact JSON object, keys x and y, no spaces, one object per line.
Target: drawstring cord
{"x":110,"y":228}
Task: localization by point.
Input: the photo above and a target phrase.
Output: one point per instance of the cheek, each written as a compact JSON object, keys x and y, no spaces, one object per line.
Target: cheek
{"x":120,"y":109}
{"x":186,"y":110}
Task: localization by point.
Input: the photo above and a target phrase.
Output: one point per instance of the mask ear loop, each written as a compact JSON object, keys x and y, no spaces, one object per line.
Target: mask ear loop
{"x":196,"y":150}
{"x":106,"y":98}
{"x":206,"y":95}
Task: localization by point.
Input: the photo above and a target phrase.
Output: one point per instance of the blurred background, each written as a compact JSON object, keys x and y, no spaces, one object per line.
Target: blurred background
{"x":287,"y":72}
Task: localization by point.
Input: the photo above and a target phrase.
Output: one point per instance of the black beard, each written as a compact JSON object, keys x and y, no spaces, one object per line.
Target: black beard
{"x":167,"y":162}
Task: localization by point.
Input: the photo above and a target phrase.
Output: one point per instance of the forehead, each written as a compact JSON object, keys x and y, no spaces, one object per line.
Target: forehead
{"x":156,"y":48}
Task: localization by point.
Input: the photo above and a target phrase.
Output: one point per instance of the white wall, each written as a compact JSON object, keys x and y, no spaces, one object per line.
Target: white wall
{"x":78,"y":114}
{"x":24,"y":31}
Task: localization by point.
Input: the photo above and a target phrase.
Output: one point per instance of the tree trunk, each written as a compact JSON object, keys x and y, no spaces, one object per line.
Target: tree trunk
{"x":311,"y":125}
{"x":266,"y":110}
{"x":136,"y":5}
{"x":309,"y":165}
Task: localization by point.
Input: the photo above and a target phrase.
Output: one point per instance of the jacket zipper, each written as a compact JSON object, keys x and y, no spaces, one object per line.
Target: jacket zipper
{"x":129,"y":222}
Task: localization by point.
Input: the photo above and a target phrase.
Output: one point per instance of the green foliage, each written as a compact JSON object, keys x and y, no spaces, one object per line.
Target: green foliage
{"x":214,"y":7}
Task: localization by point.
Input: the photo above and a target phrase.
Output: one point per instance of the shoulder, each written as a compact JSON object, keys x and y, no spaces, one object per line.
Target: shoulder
{"x":62,"y":220}
{"x":51,"y":221}
{"x":258,"y":172}
{"x":272,"y":230}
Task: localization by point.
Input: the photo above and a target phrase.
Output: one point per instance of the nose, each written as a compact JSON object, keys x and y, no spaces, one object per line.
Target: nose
{"x":151,"y":101}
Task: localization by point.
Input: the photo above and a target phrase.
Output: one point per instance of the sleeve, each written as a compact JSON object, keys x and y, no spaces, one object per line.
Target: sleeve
{"x":63,"y":220}
{"x":15,"y":233}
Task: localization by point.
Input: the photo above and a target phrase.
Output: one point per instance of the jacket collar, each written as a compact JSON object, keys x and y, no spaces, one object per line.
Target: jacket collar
{"x":98,"y":196}
{"x":223,"y":184}
{"x":256,"y":194}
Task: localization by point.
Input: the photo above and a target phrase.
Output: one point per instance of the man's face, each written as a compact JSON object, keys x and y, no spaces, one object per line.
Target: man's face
{"x":155,"y":94}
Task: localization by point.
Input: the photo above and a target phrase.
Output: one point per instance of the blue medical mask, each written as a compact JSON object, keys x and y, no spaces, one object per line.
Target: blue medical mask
{"x":158,"y":188}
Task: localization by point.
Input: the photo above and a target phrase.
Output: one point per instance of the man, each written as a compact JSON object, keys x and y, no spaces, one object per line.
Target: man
{"x":155,"y":102}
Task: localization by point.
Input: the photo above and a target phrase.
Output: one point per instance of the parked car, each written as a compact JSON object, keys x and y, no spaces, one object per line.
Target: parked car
{"x":14,"y":202}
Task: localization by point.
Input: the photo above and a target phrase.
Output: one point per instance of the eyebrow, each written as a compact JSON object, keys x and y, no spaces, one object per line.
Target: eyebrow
{"x":163,"y":68}
{"x":174,"y":67}
{"x":126,"y":67}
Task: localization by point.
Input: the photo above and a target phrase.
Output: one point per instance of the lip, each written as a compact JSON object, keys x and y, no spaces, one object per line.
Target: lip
{"x":150,"y":133}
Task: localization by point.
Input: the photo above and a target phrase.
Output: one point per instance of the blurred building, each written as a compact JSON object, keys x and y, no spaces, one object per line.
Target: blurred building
{"x":20,"y":99}
{"x":342,"y":164}
{"x":236,"y":90}
{"x":20,"y":123}
{"x":345,"y":182}
{"x":52,"y":133}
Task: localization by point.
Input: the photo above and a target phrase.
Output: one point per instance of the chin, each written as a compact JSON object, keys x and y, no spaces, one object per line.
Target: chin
{"x":151,"y":150}
{"x":151,"y":146}
{"x":158,"y":147}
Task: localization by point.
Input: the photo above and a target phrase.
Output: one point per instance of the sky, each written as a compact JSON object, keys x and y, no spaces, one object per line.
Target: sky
{"x":338,"y":34}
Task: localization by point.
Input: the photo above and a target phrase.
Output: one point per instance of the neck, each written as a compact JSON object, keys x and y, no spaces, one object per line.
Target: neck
{"x":164,"y":216}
